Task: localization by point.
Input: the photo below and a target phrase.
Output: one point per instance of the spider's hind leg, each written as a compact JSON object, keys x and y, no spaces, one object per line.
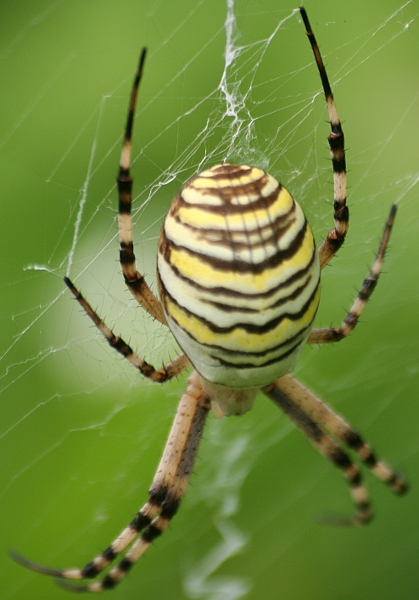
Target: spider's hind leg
{"x":322,"y":441}
{"x":322,"y":426}
{"x":166,"y":492}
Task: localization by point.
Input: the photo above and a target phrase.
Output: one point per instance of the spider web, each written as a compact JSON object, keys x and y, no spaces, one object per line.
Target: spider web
{"x":80,"y":434}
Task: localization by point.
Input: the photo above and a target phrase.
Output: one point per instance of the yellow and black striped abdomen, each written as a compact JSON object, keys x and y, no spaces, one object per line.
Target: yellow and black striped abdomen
{"x":238,"y":275}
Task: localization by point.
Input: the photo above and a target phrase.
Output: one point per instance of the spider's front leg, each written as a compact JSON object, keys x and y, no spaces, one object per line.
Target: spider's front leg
{"x":166,"y":492}
{"x":336,"y":140}
{"x":133,"y":278}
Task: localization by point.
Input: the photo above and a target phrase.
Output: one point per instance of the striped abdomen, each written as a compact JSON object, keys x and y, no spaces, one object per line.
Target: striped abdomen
{"x":238,"y":276}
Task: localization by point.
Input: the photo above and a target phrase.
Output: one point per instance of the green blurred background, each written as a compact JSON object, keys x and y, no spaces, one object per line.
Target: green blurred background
{"x":80,"y":434}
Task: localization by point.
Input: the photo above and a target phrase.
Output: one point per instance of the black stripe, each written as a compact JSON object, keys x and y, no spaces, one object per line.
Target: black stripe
{"x":226,"y":194}
{"x":296,"y":414}
{"x":336,"y":143}
{"x":124,"y":192}
{"x":271,"y":361}
{"x":218,"y":264}
{"x":228,"y":238}
{"x":107,"y":584}
{"x":353,"y":439}
{"x":126,"y":254}
{"x":234,"y":293}
{"x":151,"y":533}
{"x":91,"y":570}
{"x":125,"y":565}
{"x":339,"y":165}
{"x":229,"y":171}
{"x":190,"y":450}
{"x":170,"y":507}
{"x":227,"y":308}
{"x":297,"y":338}
{"x":248,"y":327}
{"x":157,"y":495}
{"x":140,"y":522}
{"x":342,"y":461}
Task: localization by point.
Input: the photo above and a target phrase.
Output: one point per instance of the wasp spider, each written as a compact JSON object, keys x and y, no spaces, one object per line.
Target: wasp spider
{"x":239,"y":283}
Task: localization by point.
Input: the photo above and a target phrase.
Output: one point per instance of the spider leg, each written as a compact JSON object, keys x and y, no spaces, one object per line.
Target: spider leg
{"x":332,"y":334}
{"x":166,"y":492}
{"x":340,"y":429}
{"x":133,"y":278}
{"x":336,"y":237}
{"x":172,"y":369}
{"x":328,"y":448}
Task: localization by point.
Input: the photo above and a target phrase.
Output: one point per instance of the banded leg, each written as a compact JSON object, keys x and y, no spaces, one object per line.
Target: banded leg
{"x":167,"y":490}
{"x":336,"y":237}
{"x":332,"y":334}
{"x":172,"y":369}
{"x":329,"y":449}
{"x":340,"y":429}
{"x":133,"y":278}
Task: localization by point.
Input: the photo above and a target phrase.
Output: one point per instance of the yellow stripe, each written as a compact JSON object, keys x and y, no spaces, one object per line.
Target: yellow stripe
{"x":192,"y":267}
{"x":186,"y":293}
{"x":239,"y":339}
{"x":196,"y":217}
{"x":210,"y":177}
{"x":250,"y":243}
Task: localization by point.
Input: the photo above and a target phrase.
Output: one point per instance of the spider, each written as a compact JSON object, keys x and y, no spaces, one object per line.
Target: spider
{"x":238,"y":275}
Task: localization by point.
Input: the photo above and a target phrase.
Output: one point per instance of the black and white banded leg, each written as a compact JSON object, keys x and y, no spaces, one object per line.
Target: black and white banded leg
{"x":336,"y":139}
{"x":330,"y":434}
{"x":133,"y":278}
{"x":166,"y":492}
{"x":335,"y":334}
{"x":172,"y":369}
